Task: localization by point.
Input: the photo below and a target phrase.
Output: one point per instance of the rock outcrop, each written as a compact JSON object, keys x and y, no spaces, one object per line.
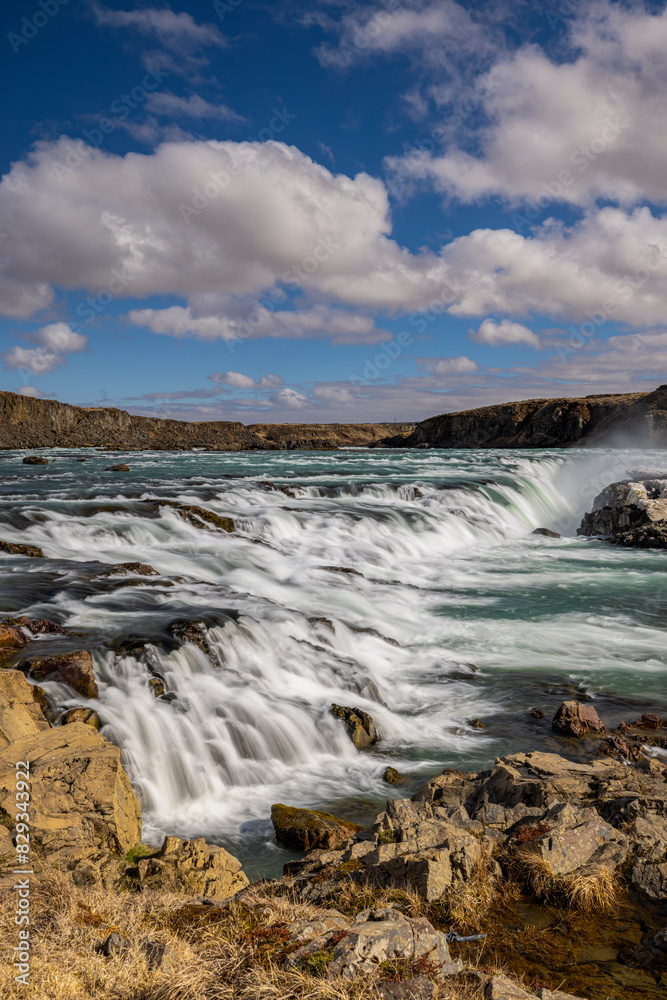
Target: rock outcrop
{"x":20,"y":708}
{"x":192,"y":866}
{"x":638,"y":419}
{"x":574,"y":818}
{"x":631,"y":513}
{"x":82,"y":807}
{"x":84,"y":815}
{"x":26,"y":422}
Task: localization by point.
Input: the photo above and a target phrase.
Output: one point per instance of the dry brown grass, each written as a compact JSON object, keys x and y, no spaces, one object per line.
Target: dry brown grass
{"x":592,"y":889}
{"x":233,"y":953}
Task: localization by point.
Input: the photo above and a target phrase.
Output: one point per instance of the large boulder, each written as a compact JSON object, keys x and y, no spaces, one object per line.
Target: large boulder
{"x":632,"y":512}
{"x":575,"y":718}
{"x":307,"y":829}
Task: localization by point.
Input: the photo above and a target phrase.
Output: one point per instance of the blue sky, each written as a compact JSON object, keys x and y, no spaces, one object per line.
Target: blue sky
{"x":332,"y":211}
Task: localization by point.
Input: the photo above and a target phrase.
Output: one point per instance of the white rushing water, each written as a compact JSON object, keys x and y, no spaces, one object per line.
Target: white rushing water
{"x":453,"y":611}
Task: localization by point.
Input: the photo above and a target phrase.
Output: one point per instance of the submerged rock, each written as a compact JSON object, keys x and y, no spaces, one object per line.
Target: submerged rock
{"x":574,"y":718}
{"x":546,"y":532}
{"x":359,"y":724}
{"x":129,"y":568}
{"x":307,"y":829}
{"x":198,"y":517}
{"x":15,"y":549}
{"x":118,"y":468}
{"x":631,"y":513}
{"x":74,"y":669}
{"x":35,"y":460}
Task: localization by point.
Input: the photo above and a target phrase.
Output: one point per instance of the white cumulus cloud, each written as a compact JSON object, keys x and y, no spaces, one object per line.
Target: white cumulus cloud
{"x":239,"y":381}
{"x":55,"y":341}
{"x":506,"y":332}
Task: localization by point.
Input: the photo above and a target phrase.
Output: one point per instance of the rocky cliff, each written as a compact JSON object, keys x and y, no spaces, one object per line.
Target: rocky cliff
{"x":637,"y":419}
{"x":43,"y":423}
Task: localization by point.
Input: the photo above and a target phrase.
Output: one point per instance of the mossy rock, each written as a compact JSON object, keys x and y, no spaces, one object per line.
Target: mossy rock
{"x":306,"y":829}
{"x":359,"y":725}
{"x":392,"y":776}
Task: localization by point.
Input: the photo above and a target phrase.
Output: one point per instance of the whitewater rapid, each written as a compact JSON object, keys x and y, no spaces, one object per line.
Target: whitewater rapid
{"x":408,"y":584}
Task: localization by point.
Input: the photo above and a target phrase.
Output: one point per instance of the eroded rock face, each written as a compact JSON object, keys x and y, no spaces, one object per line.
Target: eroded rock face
{"x":632,"y":513}
{"x":307,"y":829}
{"x":194,"y":865}
{"x":359,"y":724}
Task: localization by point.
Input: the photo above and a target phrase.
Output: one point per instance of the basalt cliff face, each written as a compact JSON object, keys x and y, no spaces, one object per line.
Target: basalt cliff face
{"x":637,"y":419}
{"x":40,"y":423}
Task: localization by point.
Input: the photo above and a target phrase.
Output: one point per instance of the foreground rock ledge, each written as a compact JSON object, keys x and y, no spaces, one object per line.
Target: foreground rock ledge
{"x":542,"y":814}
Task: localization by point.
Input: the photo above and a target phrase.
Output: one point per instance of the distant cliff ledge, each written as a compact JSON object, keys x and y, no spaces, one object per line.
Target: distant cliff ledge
{"x":43,"y":423}
{"x":635,"y":419}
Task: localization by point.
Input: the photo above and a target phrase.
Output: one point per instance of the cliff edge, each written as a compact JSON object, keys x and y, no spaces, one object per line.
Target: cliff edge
{"x":635,"y":419}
